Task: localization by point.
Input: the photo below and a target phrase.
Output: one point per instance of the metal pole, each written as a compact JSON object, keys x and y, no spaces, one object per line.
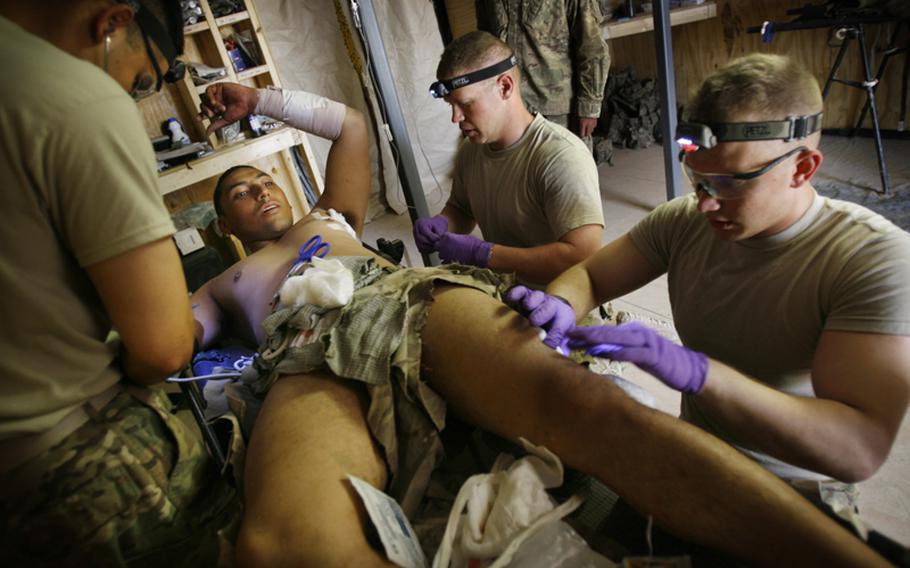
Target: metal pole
{"x":666,"y":79}
{"x":365,"y":19}
{"x":837,"y":61}
{"x":869,"y":83}
{"x":197,"y":403}
{"x":886,"y":56}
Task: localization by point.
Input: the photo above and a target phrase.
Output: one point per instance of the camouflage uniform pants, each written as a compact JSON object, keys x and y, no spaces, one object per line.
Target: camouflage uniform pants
{"x":132,"y":486}
{"x":375,"y":339}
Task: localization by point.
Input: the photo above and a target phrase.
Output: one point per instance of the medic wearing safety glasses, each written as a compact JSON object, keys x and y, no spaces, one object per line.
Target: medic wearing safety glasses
{"x":693,"y":137}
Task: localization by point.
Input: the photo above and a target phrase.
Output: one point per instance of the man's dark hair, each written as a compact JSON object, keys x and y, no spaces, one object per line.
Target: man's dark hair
{"x":219,"y":186}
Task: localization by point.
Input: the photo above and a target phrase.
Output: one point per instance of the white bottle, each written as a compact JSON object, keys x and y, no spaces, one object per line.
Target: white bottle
{"x":255,"y":125}
{"x":178,"y":136}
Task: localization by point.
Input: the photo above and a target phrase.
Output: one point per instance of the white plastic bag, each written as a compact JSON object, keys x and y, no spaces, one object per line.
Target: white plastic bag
{"x":557,"y":545}
{"x":507,"y":508}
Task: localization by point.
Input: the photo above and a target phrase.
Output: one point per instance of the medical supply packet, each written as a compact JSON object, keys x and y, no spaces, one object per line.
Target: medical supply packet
{"x":395,"y":532}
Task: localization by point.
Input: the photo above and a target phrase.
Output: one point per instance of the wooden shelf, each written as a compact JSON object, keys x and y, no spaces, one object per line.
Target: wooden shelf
{"x":232,"y":18}
{"x":274,"y":152}
{"x":252,"y":72}
{"x":645,"y":22}
{"x":201,"y":88}
{"x":195,"y":28}
{"x":215,"y":164}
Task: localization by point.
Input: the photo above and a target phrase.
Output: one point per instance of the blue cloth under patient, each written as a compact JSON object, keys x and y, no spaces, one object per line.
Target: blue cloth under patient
{"x":227,"y":359}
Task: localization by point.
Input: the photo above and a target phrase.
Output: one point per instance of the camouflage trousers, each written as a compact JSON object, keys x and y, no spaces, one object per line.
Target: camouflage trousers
{"x":133,"y":486}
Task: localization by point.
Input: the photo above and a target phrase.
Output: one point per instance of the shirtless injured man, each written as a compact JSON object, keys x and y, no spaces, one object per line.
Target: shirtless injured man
{"x":358,"y":380}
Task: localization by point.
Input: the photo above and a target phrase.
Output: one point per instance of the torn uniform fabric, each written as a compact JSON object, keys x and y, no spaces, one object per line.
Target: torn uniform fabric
{"x":375,"y":339}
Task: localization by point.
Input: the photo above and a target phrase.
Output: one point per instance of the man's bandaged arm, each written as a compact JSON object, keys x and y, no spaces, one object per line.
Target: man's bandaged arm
{"x":305,"y":111}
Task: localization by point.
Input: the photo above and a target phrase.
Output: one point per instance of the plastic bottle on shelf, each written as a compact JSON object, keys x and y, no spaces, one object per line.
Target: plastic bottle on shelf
{"x":178,"y":136}
{"x":255,"y":125}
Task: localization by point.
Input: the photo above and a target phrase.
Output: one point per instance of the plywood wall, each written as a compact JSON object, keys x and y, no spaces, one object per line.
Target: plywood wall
{"x":462,"y":18}
{"x":701,"y":47}
{"x":165,"y":104}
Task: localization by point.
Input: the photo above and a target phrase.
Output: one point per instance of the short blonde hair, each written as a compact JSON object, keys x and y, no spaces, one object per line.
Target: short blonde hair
{"x":761,"y":86}
{"x":471,"y":51}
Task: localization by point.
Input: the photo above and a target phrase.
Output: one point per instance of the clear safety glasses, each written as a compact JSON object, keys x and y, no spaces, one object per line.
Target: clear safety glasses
{"x":731,"y":185}
{"x":145,"y":85}
{"x":154,"y":32}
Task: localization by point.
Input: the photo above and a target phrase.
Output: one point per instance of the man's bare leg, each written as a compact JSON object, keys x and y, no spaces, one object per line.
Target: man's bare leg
{"x":300,"y":508}
{"x":489,"y":365}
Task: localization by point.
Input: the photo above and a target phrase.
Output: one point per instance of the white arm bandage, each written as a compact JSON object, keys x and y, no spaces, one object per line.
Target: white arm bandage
{"x":305,"y":111}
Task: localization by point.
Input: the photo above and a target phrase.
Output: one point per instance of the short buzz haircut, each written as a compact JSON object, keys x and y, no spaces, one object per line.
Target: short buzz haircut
{"x":759,"y":86}
{"x":219,"y":185}
{"x":471,"y":51}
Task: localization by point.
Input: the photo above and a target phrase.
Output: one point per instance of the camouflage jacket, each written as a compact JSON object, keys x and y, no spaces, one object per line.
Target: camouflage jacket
{"x":563,"y":57}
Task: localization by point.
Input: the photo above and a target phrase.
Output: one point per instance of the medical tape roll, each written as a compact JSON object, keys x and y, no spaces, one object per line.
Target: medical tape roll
{"x":304,"y":111}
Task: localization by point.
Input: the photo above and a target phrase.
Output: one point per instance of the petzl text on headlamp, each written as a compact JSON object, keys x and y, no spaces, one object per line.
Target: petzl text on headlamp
{"x":692,"y":136}
{"x":440,"y":89}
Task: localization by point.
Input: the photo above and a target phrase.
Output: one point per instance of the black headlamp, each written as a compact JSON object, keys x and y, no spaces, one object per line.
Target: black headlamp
{"x":693,"y":136}
{"x":152,"y":28}
{"x":440,"y":89}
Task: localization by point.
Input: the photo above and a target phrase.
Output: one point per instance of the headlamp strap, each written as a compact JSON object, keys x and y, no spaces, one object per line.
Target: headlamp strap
{"x":440,"y":89}
{"x":793,"y":128}
{"x":150,"y":25}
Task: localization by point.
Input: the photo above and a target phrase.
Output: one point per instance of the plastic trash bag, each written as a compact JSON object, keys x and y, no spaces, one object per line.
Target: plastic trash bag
{"x":507,"y":515}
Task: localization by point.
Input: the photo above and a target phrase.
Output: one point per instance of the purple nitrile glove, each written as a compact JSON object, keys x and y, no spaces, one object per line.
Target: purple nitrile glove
{"x":678,"y":367}
{"x":453,"y":247}
{"x":428,"y":231}
{"x":553,"y":315}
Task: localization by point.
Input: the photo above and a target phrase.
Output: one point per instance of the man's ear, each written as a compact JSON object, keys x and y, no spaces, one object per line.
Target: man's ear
{"x":223,"y":227}
{"x":109,"y":20}
{"x":807,"y":164}
{"x":506,"y":85}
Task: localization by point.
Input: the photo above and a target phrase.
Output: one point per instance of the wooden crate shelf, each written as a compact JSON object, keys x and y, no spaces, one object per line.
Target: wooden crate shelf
{"x":645,"y":22}
{"x":232,"y":18}
{"x":193,"y":182}
{"x":215,"y":164}
{"x":195,"y":28}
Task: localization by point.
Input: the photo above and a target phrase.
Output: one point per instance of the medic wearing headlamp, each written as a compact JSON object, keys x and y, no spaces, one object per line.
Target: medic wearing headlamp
{"x":440,"y":89}
{"x":791,"y":307}
{"x":693,"y":136}
{"x":527,"y":183}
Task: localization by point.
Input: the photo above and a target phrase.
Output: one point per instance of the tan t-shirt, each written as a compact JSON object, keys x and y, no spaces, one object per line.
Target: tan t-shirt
{"x":79,"y":187}
{"x":531,"y":193}
{"x":761,"y":305}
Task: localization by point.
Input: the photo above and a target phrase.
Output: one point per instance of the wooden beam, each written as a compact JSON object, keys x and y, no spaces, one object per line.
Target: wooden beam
{"x":215,"y":164}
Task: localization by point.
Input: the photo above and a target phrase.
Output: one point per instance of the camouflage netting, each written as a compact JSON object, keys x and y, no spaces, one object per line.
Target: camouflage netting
{"x":630,"y":115}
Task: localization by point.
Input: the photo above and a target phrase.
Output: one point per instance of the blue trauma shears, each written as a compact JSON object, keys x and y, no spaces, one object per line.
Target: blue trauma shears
{"x":313,"y":247}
